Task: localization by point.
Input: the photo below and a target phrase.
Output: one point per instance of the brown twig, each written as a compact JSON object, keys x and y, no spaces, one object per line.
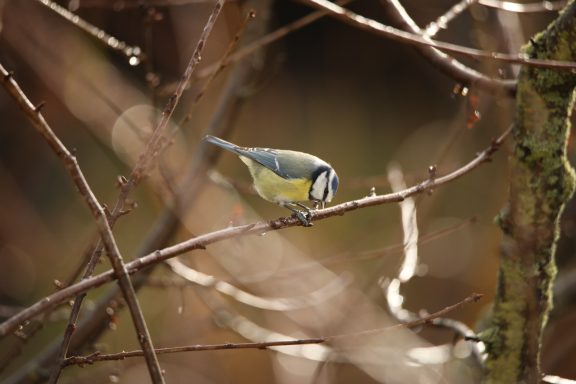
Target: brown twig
{"x":221,"y":124}
{"x":137,"y":173}
{"x":310,"y":299}
{"x":97,"y":357}
{"x":416,"y":322}
{"x":73,"y":168}
{"x":333,"y":259}
{"x":202,"y":241}
{"x":224,"y":61}
{"x":132,"y":53}
{"x":380,"y":29}
{"x":154,"y":144}
{"x":129,"y":4}
{"x":271,"y":37}
{"x":535,"y":7}
{"x":441,"y":22}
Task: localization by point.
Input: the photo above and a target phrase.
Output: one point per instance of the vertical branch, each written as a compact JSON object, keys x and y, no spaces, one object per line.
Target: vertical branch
{"x":541,"y":181}
{"x":140,"y":169}
{"x":155,"y":143}
{"x":109,"y":243}
{"x":90,"y":328}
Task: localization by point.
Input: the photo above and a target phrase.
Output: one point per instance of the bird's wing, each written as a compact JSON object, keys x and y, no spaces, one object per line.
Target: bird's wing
{"x":267,"y":158}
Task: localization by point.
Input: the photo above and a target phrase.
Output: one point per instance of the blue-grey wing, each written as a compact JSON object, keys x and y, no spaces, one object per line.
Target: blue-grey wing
{"x":268,"y":158}
{"x":286,"y":164}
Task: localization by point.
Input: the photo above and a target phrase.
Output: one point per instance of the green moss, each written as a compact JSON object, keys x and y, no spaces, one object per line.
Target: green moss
{"x":541,"y":182}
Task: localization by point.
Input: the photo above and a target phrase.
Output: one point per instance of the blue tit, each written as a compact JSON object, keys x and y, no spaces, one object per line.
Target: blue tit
{"x":287,"y":178}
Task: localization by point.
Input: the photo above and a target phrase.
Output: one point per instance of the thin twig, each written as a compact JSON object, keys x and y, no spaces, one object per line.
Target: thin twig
{"x":97,"y":357}
{"x":271,"y":37}
{"x":416,"y":322}
{"x":123,"y":4}
{"x":310,"y":299}
{"x":447,"y":64}
{"x":132,"y":53}
{"x":328,"y":260}
{"x":153,"y":145}
{"x":380,"y":29}
{"x":224,"y":61}
{"x":202,"y":241}
{"x":90,"y":328}
{"x":137,"y":173}
{"x":71,"y":164}
{"x":536,"y":7}
{"x":441,"y":22}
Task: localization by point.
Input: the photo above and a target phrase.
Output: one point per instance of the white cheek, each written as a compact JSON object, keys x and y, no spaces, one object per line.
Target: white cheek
{"x":319,"y":186}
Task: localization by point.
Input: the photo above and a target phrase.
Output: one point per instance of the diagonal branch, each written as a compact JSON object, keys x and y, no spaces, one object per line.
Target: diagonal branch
{"x":441,"y":22}
{"x":151,"y":151}
{"x":132,"y":53}
{"x":202,"y":241}
{"x":535,"y":7}
{"x":380,"y":29}
{"x":423,"y":320}
{"x":221,"y":124}
{"x":73,"y":168}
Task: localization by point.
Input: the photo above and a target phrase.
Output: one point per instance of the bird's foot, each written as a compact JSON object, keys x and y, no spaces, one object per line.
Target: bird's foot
{"x":304,"y":217}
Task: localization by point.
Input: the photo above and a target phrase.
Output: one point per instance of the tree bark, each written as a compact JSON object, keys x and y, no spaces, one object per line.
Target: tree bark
{"x":541,"y":181}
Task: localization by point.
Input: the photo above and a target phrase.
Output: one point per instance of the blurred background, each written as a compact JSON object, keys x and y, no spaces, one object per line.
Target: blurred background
{"x":361,"y":102}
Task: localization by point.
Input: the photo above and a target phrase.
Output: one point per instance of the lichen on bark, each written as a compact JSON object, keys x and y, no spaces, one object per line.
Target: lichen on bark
{"x":541,"y":181}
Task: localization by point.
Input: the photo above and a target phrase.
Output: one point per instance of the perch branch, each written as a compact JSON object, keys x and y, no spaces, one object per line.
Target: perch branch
{"x":202,"y":241}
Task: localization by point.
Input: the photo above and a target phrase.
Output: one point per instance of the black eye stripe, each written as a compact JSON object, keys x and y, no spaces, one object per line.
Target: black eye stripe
{"x":327,"y":186}
{"x":318,"y":171}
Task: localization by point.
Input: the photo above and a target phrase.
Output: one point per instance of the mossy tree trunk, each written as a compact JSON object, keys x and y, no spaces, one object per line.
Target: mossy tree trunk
{"x":541,"y":181}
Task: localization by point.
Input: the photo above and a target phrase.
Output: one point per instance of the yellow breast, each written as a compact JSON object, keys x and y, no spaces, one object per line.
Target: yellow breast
{"x":274,"y":188}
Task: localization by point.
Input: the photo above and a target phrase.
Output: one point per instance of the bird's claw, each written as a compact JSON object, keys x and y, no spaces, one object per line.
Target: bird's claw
{"x":304,"y":217}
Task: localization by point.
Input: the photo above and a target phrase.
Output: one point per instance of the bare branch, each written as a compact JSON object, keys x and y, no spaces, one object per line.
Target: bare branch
{"x":154,"y":144}
{"x":416,"y":322}
{"x":380,"y":29}
{"x":202,"y":241}
{"x":221,"y":64}
{"x":150,"y":152}
{"x":441,"y":22}
{"x":254,"y":46}
{"x":73,"y":168}
{"x":221,"y":124}
{"x":129,"y":4}
{"x":132,"y":53}
{"x":97,"y":357}
{"x":511,"y":6}
{"x":313,"y":298}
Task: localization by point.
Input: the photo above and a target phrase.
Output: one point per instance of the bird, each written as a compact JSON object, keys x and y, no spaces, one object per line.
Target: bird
{"x":287,"y":178}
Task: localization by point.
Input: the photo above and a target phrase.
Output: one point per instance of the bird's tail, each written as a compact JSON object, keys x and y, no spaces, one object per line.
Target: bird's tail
{"x":223,"y":144}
